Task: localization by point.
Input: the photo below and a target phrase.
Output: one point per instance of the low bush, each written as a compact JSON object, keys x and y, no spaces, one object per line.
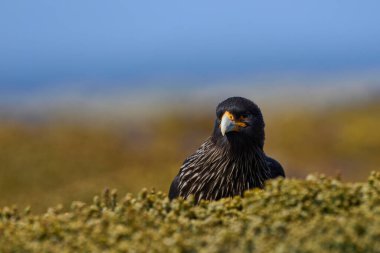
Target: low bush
{"x":318,"y":214}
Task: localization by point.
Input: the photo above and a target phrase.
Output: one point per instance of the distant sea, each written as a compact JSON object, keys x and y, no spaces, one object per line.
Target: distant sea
{"x":102,"y":98}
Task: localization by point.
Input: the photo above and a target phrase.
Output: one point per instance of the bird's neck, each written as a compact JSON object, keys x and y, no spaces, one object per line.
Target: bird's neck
{"x":237,"y":147}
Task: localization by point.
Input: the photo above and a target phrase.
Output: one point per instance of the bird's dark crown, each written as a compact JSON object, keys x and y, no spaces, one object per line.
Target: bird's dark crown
{"x":252,"y":135}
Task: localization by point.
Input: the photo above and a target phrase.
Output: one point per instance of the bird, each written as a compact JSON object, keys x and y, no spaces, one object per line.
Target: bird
{"x":231,"y":160}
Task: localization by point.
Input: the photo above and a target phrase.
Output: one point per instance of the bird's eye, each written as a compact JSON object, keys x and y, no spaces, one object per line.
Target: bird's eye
{"x":244,"y":116}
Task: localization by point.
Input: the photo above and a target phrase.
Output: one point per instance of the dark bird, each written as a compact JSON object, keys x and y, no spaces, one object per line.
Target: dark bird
{"x":232,"y":160}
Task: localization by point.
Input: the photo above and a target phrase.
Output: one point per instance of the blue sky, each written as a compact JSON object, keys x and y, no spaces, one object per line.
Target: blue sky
{"x":48,"y":43}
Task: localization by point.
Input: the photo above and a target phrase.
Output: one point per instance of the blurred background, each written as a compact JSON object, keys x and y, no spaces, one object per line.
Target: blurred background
{"x":117,"y":94}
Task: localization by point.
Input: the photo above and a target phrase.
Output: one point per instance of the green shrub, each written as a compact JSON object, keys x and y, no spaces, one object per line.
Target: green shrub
{"x":318,"y":214}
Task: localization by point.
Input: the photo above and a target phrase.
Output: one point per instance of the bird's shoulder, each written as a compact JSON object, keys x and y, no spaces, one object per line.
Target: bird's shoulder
{"x":276,"y":169}
{"x":186,"y":167}
{"x":199,"y":153}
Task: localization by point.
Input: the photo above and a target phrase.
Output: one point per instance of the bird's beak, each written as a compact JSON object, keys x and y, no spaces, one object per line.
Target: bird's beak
{"x":229,"y":124}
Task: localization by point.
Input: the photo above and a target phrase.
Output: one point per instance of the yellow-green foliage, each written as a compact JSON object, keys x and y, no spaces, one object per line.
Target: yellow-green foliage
{"x":318,"y":214}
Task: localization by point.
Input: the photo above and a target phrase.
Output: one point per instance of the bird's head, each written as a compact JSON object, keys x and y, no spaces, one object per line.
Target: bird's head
{"x":239,"y":124}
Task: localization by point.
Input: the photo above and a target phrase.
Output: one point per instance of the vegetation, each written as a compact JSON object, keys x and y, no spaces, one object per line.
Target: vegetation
{"x":314,"y":215}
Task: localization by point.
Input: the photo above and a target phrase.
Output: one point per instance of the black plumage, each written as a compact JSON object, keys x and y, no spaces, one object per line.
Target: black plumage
{"x":232,"y":160}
